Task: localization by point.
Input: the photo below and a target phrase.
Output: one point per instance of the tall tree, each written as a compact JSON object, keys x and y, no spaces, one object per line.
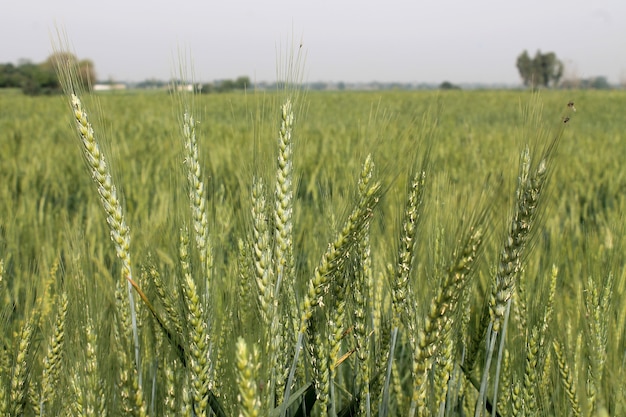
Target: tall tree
{"x":85,"y":72}
{"x":542,"y":70}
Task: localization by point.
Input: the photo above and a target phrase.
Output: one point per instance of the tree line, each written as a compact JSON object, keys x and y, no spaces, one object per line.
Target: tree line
{"x":41,"y":78}
{"x":541,"y":70}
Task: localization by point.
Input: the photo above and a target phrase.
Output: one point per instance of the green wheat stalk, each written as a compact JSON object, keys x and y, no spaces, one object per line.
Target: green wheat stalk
{"x":336,"y":319}
{"x":442,"y":311}
{"x":400,"y":289}
{"x":52,"y":362}
{"x":597,"y":302}
{"x":248,"y":364}
{"x":4,"y":357}
{"x":335,"y":256}
{"x":284,"y":275}
{"x":517,"y":399}
{"x":169,"y":402}
{"x":363,"y":304}
{"x":568,"y":379}
{"x":505,"y":398}
{"x":530,"y":383}
{"x":18,"y":388}
{"x":129,"y":387}
{"x":199,"y":359}
{"x":532,"y":181}
{"x":197,"y":195}
{"x":94,"y":399}
{"x":330,"y":268}
{"x":261,"y":251}
{"x":318,"y":352}
{"x":283,"y":210}
{"x":119,"y":231}
{"x":444,"y":366}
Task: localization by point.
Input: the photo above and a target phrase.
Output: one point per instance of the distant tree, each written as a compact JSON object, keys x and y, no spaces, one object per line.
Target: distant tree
{"x":35,"y":79}
{"x":10,"y":76}
{"x":600,"y":83}
{"x":525,"y":68}
{"x":207,"y":88}
{"x":225,"y":86}
{"x":318,"y":85}
{"x":242,"y":83}
{"x":596,"y":83}
{"x":543,"y":70}
{"x":38,"y":79}
{"x":151,"y":84}
{"x":87,"y":73}
{"x":447,"y":85}
{"x":84,"y":70}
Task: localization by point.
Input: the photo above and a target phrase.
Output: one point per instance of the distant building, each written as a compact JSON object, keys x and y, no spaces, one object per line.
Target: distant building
{"x":109,"y":87}
{"x":187,"y":87}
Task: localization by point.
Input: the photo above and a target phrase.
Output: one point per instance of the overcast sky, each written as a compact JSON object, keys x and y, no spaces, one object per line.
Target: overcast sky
{"x":344,"y":40}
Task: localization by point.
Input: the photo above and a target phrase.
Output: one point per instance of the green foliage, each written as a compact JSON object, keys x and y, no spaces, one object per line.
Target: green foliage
{"x":447,"y":85}
{"x":41,"y":79}
{"x":225,"y":86}
{"x":597,"y":83}
{"x":543,"y":70}
{"x":329,"y":257}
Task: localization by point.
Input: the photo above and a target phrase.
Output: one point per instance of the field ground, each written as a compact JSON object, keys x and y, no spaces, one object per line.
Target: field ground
{"x":51,"y":215}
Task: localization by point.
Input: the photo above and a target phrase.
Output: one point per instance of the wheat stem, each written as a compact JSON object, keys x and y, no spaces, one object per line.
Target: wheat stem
{"x":198,"y":337}
{"x":336,"y":253}
{"x":443,"y":307}
{"x":119,"y":231}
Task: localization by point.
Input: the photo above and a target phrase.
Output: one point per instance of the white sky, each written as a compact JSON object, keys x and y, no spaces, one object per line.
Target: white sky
{"x":344,"y":40}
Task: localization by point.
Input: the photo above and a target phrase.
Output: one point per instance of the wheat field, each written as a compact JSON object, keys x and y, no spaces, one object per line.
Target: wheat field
{"x":300,"y":253}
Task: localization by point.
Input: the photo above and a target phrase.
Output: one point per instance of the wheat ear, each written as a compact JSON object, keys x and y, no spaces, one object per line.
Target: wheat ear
{"x":319,"y":355}
{"x":597,"y":302}
{"x":261,"y":251}
{"x":94,"y":398}
{"x":197,"y":195}
{"x":517,"y":399}
{"x":120,"y":233}
{"x":283,"y":212}
{"x":198,"y":336}
{"x":529,"y":386}
{"x":52,"y":361}
{"x":530,"y":191}
{"x":284,"y":275}
{"x":505,"y":397}
{"x":4,"y":359}
{"x":362,"y":302}
{"x":19,"y":378}
{"x":129,"y":388}
{"x":248,"y":364}
{"x":568,"y":379}
{"x":336,"y":253}
{"x":336,"y":319}
{"x":443,"y":308}
{"x":331,"y":264}
{"x":400,"y":285}
{"x":169,"y":402}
